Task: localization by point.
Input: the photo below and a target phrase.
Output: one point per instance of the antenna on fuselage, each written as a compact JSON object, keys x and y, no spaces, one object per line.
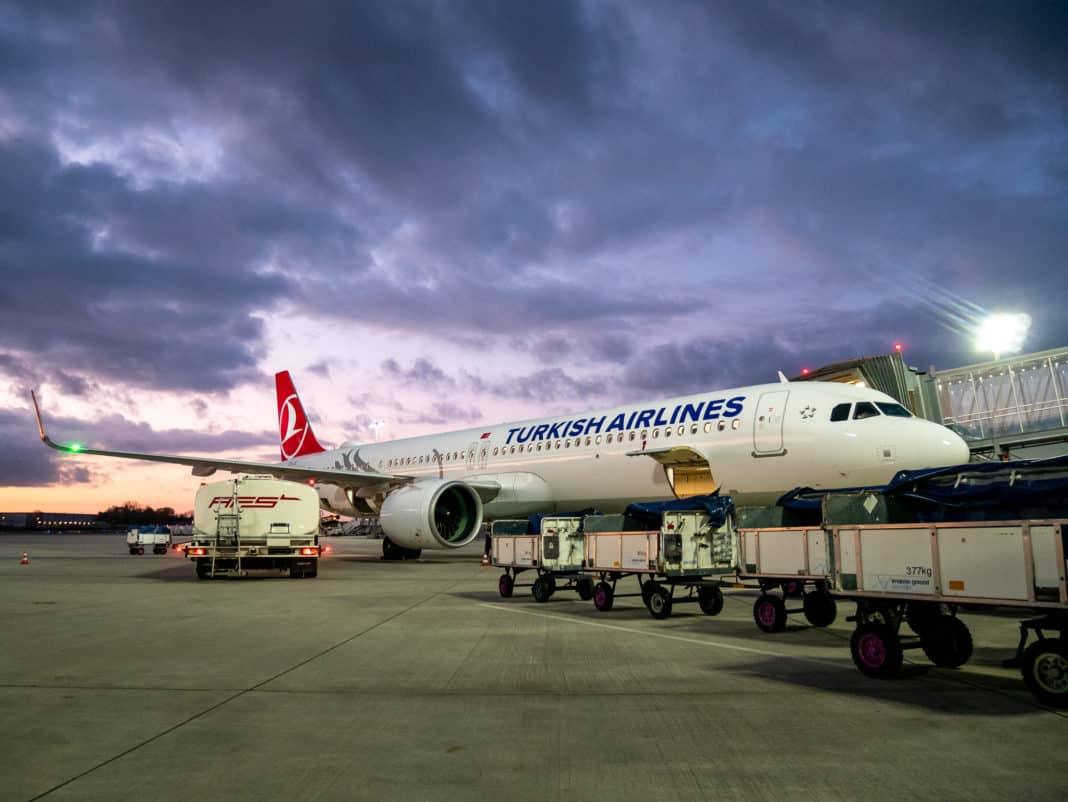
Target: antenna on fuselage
{"x":782,"y":378}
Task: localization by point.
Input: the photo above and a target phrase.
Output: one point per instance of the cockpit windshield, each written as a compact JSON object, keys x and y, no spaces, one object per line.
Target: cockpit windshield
{"x":865,"y":409}
{"x":893,"y":410}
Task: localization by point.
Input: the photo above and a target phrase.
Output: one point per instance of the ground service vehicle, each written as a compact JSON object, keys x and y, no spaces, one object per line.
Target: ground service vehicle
{"x":255,"y":523}
{"x":140,"y":537}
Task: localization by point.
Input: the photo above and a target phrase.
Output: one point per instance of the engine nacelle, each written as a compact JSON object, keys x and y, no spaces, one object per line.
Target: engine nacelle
{"x":432,"y":513}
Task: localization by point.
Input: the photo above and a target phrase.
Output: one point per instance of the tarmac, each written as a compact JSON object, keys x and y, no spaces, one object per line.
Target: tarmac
{"x":126,"y":678}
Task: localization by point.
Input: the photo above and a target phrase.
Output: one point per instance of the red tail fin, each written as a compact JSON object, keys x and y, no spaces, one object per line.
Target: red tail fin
{"x":294,"y":429}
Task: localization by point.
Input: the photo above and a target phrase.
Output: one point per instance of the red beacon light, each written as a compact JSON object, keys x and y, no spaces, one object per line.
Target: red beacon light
{"x":898,"y":347}
{"x":805,"y":371}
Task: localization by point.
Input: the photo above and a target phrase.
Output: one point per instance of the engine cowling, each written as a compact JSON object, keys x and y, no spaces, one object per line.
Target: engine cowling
{"x":432,"y":513}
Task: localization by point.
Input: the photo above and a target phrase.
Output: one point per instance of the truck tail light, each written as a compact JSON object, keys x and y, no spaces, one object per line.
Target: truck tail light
{"x":198,"y":552}
{"x":309,"y":551}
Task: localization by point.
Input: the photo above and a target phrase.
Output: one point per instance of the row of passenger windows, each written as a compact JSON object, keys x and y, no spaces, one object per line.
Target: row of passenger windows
{"x":867,"y":409}
{"x":570,"y":442}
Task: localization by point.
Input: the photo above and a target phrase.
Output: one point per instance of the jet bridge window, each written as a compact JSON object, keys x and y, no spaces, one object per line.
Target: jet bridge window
{"x":893,"y":410}
{"x":865,"y":409}
{"x":840,"y":412}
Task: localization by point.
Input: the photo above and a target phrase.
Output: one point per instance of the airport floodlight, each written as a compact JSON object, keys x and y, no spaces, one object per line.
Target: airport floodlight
{"x":374,"y":426}
{"x":1002,"y":333}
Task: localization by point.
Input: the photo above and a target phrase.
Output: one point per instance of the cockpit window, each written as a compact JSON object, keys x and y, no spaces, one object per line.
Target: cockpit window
{"x":893,"y":410}
{"x":865,"y":409}
{"x":840,"y":412}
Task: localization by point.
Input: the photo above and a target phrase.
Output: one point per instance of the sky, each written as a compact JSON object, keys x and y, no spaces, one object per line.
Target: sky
{"x":446,"y":214}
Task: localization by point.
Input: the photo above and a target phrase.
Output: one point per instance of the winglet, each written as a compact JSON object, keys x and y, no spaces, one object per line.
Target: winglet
{"x":782,"y":378}
{"x":37,"y":413}
{"x":40,"y":426}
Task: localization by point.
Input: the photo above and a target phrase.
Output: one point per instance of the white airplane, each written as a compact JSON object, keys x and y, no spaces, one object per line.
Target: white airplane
{"x":753,"y":443}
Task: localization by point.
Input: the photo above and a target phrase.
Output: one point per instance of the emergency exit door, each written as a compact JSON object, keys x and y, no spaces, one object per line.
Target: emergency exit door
{"x":767,"y":423}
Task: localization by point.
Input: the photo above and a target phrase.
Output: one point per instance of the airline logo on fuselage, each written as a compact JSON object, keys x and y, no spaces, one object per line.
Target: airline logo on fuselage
{"x":638,"y":419}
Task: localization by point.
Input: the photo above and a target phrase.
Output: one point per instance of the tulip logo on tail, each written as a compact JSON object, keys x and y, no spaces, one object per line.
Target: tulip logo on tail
{"x":297,"y":437}
{"x":292,"y":427}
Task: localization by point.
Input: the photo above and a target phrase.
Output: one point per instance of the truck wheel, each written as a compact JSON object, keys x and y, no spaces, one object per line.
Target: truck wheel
{"x":710,"y":599}
{"x":820,"y":608}
{"x":660,"y":603}
{"x":876,"y":651}
{"x":603,"y":596}
{"x":203,"y":569}
{"x":1045,"y":671}
{"x":542,"y":590}
{"x":585,"y":588}
{"x":769,"y":612}
{"x":946,"y":641}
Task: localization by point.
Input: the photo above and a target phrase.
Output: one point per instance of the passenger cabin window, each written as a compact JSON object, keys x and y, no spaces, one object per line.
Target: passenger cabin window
{"x":840,"y":412}
{"x":893,"y":410}
{"x":865,"y":409}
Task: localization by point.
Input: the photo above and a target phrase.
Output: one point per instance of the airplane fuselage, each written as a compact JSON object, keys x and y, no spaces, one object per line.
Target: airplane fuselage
{"x":756,"y":442}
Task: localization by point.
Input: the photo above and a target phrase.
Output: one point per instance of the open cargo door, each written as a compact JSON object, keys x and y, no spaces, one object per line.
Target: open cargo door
{"x":687,"y":470}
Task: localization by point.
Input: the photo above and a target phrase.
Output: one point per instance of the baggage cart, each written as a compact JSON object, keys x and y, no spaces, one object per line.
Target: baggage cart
{"x":556,"y":554}
{"x":688,"y":553}
{"x":920,"y":574}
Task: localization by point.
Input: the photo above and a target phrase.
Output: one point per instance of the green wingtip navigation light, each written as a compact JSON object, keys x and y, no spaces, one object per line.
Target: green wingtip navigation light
{"x":75,"y":447}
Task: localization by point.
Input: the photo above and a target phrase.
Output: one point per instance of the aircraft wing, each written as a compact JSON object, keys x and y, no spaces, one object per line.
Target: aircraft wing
{"x":206,"y":466}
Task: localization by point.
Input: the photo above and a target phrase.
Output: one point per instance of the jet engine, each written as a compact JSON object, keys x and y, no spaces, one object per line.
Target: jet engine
{"x":432,"y":513}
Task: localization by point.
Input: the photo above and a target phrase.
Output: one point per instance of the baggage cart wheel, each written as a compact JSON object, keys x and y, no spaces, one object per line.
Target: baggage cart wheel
{"x":648,"y":586}
{"x":946,"y":641}
{"x":769,"y":612}
{"x":876,"y":650}
{"x":550,"y":580}
{"x":710,"y":599}
{"x":660,"y":603}
{"x":140,"y":549}
{"x":542,"y":589}
{"x":133,"y":551}
{"x":1045,"y":671}
{"x":505,"y":585}
{"x":585,"y":588}
{"x":820,"y":608}
{"x":603,"y":596}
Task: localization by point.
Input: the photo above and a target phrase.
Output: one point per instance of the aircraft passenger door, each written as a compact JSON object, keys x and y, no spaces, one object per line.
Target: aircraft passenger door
{"x":767,"y":424}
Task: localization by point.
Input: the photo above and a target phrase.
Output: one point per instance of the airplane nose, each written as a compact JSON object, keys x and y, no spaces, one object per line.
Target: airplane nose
{"x":948,"y":448}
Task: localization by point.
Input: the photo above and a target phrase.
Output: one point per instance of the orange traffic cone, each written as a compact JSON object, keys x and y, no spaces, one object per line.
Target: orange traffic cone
{"x":25,"y":559}
{"x":485,"y":560}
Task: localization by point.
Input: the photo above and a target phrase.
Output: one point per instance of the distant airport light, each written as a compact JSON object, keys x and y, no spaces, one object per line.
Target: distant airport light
{"x":804,"y":371}
{"x":1002,"y":333}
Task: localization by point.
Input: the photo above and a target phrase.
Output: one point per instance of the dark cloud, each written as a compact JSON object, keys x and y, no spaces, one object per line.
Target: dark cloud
{"x":594,"y":184}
